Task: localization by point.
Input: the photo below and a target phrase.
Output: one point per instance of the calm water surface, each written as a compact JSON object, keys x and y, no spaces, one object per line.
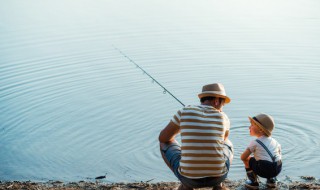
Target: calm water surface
{"x":73,"y":108}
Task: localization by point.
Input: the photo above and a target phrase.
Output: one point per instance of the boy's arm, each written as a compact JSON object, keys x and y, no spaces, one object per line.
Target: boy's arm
{"x":245,"y":155}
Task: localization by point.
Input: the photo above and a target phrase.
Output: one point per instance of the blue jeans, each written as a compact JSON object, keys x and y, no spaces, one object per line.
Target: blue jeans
{"x":172,"y":155}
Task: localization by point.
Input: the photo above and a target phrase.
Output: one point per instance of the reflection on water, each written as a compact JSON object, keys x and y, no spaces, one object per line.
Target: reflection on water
{"x":73,"y":108}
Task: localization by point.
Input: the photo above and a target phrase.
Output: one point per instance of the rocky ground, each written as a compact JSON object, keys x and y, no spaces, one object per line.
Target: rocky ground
{"x":305,"y":183}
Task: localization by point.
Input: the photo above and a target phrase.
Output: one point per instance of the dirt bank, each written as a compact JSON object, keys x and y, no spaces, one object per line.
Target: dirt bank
{"x":305,"y":183}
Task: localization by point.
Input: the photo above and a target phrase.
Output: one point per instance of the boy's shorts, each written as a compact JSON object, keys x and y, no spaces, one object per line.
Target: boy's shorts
{"x":172,"y":153}
{"x":265,"y":168}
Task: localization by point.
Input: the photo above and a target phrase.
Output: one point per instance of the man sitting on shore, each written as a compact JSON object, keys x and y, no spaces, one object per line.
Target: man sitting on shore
{"x":204,"y":158}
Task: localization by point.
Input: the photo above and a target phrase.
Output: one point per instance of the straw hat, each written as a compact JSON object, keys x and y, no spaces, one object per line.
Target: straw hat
{"x":215,"y":90}
{"x":264,"y":122}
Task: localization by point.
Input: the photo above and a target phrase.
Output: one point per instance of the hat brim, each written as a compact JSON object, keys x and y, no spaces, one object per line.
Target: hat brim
{"x":227,"y":99}
{"x":260,"y":126}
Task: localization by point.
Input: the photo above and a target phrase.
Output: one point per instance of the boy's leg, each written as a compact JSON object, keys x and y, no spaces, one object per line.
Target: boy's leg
{"x":272,"y":170}
{"x":252,"y":181}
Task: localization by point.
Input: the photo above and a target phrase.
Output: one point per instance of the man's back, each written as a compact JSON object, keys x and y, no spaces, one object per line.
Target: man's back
{"x":202,"y":136}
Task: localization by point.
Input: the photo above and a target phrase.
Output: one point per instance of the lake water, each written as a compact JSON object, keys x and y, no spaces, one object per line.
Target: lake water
{"x":73,"y":108}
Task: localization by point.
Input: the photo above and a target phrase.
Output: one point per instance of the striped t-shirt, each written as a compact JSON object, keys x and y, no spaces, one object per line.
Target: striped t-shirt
{"x":202,"y":135}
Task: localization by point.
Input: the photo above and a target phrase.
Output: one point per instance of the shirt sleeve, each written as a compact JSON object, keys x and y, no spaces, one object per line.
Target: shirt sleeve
{"x":177,"y":117}
{"x":226,"y":121}
{"x":252,"y":146}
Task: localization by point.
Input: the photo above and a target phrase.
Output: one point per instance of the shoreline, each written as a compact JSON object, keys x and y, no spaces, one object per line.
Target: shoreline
{"x":307,"y":182}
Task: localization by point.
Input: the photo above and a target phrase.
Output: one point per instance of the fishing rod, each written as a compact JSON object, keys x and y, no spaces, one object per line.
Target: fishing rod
{"x":153,"y":79}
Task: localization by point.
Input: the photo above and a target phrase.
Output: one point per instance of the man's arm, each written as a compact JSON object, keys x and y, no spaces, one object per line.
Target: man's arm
{"x":168,"y":133}
{"x":226,"y":135}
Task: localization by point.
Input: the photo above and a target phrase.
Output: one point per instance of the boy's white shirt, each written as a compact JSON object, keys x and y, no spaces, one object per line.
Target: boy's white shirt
{"x":260,"y":153}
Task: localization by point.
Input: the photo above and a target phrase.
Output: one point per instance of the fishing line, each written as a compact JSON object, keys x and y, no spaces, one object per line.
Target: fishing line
{"x":145,"y":72}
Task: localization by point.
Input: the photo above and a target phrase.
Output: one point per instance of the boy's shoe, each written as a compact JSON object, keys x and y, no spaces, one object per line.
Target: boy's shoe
{"x":271,"y":182}
{"x":221,"y":186}
{"x":252,"y":184}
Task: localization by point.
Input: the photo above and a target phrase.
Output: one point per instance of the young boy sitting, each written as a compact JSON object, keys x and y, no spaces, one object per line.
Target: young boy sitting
{"x":266,"y":159}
